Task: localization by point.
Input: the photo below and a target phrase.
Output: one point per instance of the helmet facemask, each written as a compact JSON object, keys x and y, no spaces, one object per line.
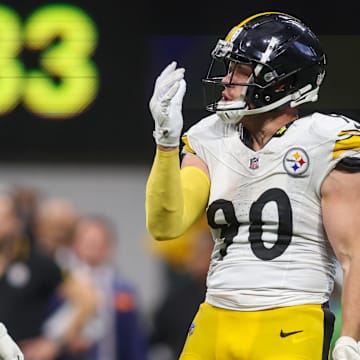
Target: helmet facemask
{"x":214,"y":84}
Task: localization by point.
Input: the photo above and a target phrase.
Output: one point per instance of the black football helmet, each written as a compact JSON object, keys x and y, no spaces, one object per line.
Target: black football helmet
{"x":287,"y":61}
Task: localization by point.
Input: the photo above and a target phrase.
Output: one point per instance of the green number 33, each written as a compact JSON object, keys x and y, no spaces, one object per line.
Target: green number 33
{"x":66,"y":79}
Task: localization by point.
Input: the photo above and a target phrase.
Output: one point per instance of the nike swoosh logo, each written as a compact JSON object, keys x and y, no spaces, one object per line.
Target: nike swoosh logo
{"x":285,"y":334}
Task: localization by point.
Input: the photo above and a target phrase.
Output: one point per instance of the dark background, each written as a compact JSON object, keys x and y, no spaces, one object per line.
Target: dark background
{"x":136,"y":40}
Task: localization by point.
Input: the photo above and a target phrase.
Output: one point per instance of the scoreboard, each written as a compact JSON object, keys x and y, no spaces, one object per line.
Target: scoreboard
{"x":71,"y":82}
{"x":76,"y":76}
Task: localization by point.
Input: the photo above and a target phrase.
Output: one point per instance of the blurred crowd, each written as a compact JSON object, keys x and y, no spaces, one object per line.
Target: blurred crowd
{"x":62,"y":296}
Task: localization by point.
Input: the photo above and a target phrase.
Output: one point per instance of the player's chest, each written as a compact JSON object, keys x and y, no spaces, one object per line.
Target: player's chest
{"x":277,"y":171}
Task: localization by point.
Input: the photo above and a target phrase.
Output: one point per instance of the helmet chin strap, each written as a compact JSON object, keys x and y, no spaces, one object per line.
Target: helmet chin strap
{"x":237,"y":109}
{"x":232,"y":116}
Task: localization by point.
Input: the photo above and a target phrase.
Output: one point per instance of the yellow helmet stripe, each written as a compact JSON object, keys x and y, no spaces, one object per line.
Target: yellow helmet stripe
{"x":237,"y":27}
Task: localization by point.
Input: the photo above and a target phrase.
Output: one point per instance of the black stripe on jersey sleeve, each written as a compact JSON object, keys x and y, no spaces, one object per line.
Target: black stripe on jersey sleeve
{"x":351,"y":164}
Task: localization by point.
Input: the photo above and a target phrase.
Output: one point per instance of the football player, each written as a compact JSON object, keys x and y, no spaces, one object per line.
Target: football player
{"x":281,"y":192}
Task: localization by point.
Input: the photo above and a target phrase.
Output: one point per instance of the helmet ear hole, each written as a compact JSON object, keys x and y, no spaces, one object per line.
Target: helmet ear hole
{"x":260,"y":97}
{"x":257,"y":98}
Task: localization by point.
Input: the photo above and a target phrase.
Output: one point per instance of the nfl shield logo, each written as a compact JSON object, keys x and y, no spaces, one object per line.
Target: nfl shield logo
{"x":254,"y":163}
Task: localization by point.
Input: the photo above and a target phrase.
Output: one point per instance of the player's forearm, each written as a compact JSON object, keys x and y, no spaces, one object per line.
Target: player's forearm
{"x":174,"y":199}
{"x":164,"y":201}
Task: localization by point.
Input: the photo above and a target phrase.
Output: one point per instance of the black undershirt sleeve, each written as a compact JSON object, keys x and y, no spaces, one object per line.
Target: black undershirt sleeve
{"x":351,"y":164}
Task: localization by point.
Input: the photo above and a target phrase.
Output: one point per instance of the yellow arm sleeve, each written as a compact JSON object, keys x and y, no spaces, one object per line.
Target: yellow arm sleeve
{"x":175,"y":199}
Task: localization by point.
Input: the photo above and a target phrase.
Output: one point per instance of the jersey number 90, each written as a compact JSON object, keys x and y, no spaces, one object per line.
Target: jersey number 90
{"x":230,"y":228}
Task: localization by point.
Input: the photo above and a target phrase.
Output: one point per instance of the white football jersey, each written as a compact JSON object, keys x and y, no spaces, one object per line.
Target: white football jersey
{"x":264,"y":210}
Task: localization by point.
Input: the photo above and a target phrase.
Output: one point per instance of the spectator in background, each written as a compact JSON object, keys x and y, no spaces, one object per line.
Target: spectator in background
{"x":26,"y":200}
{"x":28,"y":281}
{"x":119,"y":332}
{"x":53,"y":226}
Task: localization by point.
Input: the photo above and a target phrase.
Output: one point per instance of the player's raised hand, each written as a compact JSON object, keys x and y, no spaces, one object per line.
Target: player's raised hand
{"x":8,"y":348}
{"x":346,"y":348}
{"x":166,"y":105}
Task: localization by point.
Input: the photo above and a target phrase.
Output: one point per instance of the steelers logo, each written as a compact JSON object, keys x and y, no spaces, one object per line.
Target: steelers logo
{"x":296,"y":161}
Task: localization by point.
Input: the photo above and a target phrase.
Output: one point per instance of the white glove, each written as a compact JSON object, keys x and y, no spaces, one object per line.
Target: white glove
{"x":346,"y":348}
{"x":166,"y":105}
{"x":8,"y":348}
